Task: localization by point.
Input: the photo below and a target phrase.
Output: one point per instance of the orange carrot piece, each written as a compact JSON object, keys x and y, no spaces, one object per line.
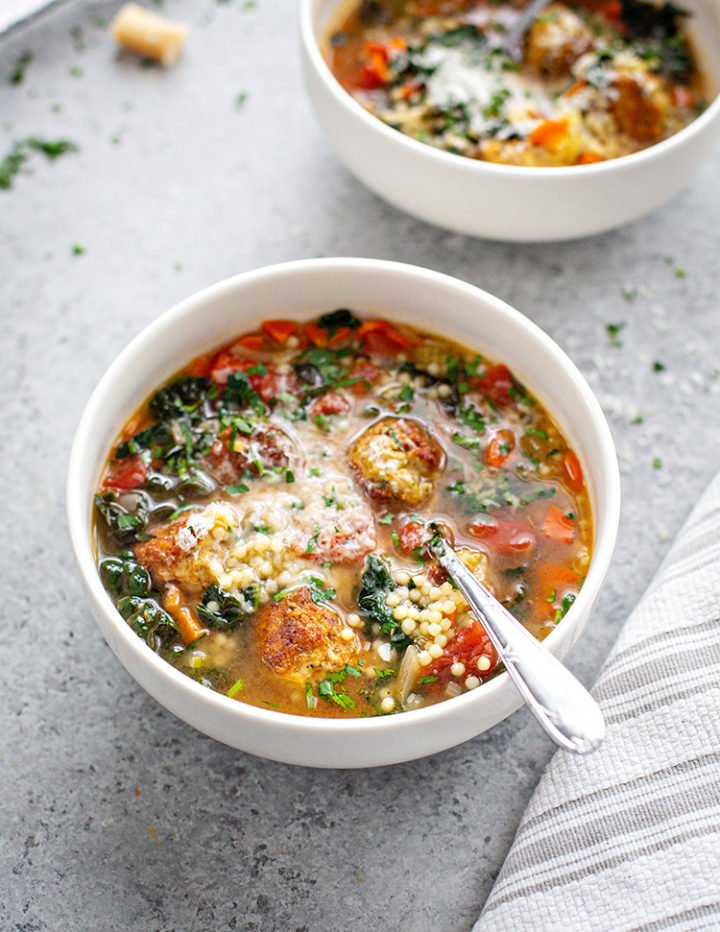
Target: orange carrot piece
{"x":553,"y":577}
{"x":550,"y":134}
{"x":558,"y":526}
{"x":577,"y":86}
{"x":188,"y":625}
{"x":588,"y":158}
{"x":572,"y":471}
{"x":251,"y":341}
{"x":279,"y":330}
{"x":316,"y":335}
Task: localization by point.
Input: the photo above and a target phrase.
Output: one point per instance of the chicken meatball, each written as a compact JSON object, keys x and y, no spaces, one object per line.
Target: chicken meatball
{"x":555,"y":41}
{"x":639,"y":105}
{"x":397,"y":459}
{"x":300,"y":638}
{"x":234,"y":453}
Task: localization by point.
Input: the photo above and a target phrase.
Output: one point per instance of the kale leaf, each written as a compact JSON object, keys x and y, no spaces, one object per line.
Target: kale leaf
{"x":377,"y":583}
{"x":148,"y":621}
{"x":223,"y":611}
{"x":122,"y":575}
{"x":183,"y":394}
{"x":125,"y":524}
{"x":333,"y":321}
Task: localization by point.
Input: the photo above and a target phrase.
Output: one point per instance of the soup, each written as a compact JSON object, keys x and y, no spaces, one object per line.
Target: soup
{"x":262,"y":521}
{"x":595,"y":80}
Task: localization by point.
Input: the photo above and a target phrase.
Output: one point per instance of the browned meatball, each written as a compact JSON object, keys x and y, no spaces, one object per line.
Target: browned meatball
{"x":397,"y":459}
{"x":639,"y":107}
{"x":555,"y":41}
{"x":169,"y":555}
{"x":232,"y":456}
{"x":300,"y":639}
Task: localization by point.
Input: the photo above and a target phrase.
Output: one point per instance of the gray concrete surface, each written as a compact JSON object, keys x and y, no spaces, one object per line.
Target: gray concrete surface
{"x":113,"y":814}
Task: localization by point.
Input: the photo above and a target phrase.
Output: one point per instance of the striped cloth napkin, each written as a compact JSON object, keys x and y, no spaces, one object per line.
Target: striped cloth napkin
{"x":628,"y":838}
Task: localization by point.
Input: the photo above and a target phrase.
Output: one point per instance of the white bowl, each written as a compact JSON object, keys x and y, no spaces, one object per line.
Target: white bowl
{"x":302,"y":290}
{"x":507,"y":202}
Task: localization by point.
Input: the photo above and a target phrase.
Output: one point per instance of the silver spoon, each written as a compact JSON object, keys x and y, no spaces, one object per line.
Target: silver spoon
{"x":511,"y":41}
{"x":561,"y":704}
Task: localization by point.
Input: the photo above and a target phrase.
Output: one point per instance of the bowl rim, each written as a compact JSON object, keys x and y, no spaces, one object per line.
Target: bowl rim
{"x":78,"y":499}
{"x":450,"y":160}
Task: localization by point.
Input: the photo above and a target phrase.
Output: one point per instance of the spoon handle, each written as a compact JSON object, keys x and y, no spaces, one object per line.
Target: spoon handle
{"x":561,"y":704}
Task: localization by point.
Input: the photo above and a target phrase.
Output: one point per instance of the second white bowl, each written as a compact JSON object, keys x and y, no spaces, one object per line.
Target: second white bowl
{"x":507,"y":202}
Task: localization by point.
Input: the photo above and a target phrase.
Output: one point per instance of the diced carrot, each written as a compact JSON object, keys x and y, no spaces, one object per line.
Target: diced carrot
{"x":188,"y":625}
{"x":572,"y":471}
{"x":558,"y":526}
{"x":252,"y":341}
{"x":398,"y":43}
{"x":554,"y":577}
{"x":316,"y":335}
{"x":550,"y":134}
{"x":588,"y":158}
{"x":139,"y":422}
{"x":279,"y":330}
{"x":409,"y":88}
{"x":577,"y":86}
{"x":552,"y":581}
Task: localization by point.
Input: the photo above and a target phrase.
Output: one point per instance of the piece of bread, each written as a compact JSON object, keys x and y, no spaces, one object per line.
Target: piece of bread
{"x":149,"y":34}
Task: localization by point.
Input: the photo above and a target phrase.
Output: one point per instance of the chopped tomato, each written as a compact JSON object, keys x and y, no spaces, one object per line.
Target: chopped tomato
{"x":496,"y":384}
{"x":572,"y":471}
{"x":558,"y":526}
{"x":550,"y":134}
{"x":411,"y":535}
{"x":330,"y":403}
{"x":279,"y":330}
{"x":378,"y":336}
{"x":499,"y":448}
{"x":126,"y":474}
{"x":374,"y":73}
{"x":512,"y":537}
{"x":468,"y":646}
{"x":201,"y":367}
{"x":365,"y":372}
{"x":226,"y":362}
{"x":612,"y":10}
{"x":683,"y":96}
